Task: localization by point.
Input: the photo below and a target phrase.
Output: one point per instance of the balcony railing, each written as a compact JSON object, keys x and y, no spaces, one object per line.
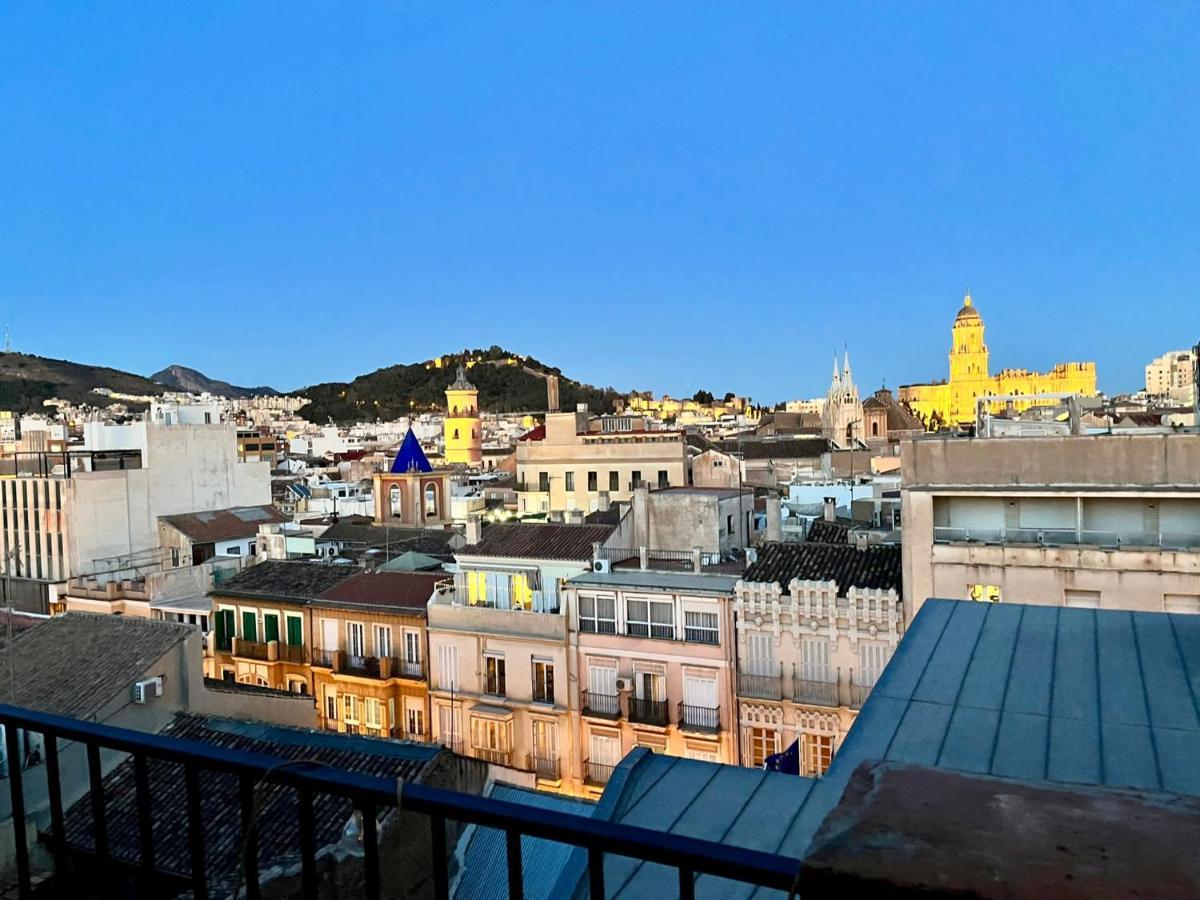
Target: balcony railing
{"x":545,"y":767}
{"x":403,"y":668}
{"x":648,"y":712}
{"x":761,"y":687}
{"x":250,"y":649}
{"x":858,"y":694}
{"x":597,"y":774}
{"x":815,"y":693}
{"x":706,"y":719}
{"x":323,"y":659}
{"x":371,"y":795}
{"x":601,"y":706}
{"x":291,"y":653}
{"x":496,"y":757}
{"x":362,"y":666}
{"x":1166,"y":540}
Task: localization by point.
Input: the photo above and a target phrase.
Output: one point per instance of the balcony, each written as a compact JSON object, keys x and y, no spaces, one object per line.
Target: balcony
{"x":495,"y":757}
{"x":858,"y":694}
{"x":700,"y":719}
{"x":1068,"y":537}
{"x":250,"y":649}
{"x":596,"y":774}
{"x":292,"y":653}
{"x":359,"y":666}
{"x":375,"y":797}
{"x":545,"y":767}
{"x":760,"y":687}
{"x":648,"y":712}
{"x":403,"y":668}
{"x":815,"y":693}
{"x":324,"y":659}
{"x":601,"y":706}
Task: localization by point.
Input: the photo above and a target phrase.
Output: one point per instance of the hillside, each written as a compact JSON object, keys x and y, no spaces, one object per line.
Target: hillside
{"x":181,"y":378}
{"x":27,"y":380}
{"x":507,"y":382}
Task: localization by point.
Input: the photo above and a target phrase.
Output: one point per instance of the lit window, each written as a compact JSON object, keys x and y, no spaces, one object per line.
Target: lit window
{"x":818,"y":753}
{"x":493,"y":674}
{"x":763,"y":743}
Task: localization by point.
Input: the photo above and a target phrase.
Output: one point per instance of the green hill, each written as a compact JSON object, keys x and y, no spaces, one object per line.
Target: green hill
{"x":507,"y":382}
{"x":27,"y":380}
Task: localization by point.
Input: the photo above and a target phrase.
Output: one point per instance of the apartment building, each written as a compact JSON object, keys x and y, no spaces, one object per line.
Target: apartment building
{"x":61,"y":514}
{"x":1173,"y":375}
{"x":816,"y":624}
{"x":568,"y":462}
{"x":1108,"y":521}
{"x":498,"y":647}
{"x":369,"y":665}
{"x":652,"y":666}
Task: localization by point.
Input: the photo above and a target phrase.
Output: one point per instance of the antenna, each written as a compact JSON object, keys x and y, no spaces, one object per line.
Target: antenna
{"x":7,"y":338}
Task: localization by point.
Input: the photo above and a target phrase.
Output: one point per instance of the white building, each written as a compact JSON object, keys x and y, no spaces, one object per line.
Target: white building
{"x":842,"y":415}
{"x":1173,"y":375}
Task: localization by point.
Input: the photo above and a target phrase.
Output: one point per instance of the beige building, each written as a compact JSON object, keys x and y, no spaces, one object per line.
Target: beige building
{"x":816,"y":624}
{"x":566,"y":464}
{"x":651,"y":666}
{"x":1173,"y":375}
{"x":1105,"y":521}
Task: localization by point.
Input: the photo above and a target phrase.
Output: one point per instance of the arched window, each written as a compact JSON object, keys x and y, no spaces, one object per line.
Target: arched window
{"x":874,"y":429}
{"x":431,"y":499}
{"x":394,"y":499}
{"x":454,"y":411}
{"x":456,"y":434}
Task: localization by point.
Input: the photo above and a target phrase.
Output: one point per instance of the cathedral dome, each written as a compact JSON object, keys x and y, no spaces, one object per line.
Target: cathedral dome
{"x":968,"y":313}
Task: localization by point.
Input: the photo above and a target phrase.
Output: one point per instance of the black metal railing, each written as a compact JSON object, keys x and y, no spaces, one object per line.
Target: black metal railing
{"x":403,"y":668}
{"x":814,"y":693}
{"x":603,"y":706}
{"x":760,"y":687}
{"x":371,"y":795}
{"x":324,"y":659}
{"x":292,"y":653}
{"x":647,"y":712}
{"x":858,"y":693}
{"x":544,"y":766}
{"x":596,"y":773}
{"x":362,"y":666}
{"x":700,"y":718}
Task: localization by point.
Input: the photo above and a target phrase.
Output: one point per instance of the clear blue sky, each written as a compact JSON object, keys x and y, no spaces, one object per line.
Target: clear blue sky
{"x":672,"y":196}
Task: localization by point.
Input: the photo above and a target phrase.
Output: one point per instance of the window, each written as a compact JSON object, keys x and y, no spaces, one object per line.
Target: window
{"x":449,"y":726}
{"x":543,"y":681}
{"x":760,"y":655}
{"x":431,"y":500}
{"x":297,"y":686}
{"x":592,"y":481}
{"x":251,"y":548}
{"x":394,"y":499}
{"x":700,"y":627}
{"x":415,"y":721}
{"x":614,"y":481}
{"x":493,"y":674}
{"x":412,"y":647}
{"x":174,"y":557}
{"x":374,"y":713}
{"x":489,"y":734}
{"x":1181,"y":603}
{"x":270,"y":627}
{"x":650,"y":618}
{"x":817,"y":753}
{"x":597,"y":615}
{"x":814,"y":659}
{"x":763,"y":743}
{"x":729,"y":525}
{"x":986,"y":592}
{"x":355,"y":642}
{"x":634,"y":480}
{"x":704,"y":754}
{"x":604,"y":752}
{"x":227,"y":676}
{"x":872,"y":657}
{"x":350,"y":708}
{"x":448,"y":667}
{"x":570,"y":481}
{"x":543,"y":482}
{"x":1082,"y":599}
{"x":664,"y":480}
{"x":383,"y":640}
{"x":233,"y":551}
{"x":295,"y":630}
{"x":249,"y":626}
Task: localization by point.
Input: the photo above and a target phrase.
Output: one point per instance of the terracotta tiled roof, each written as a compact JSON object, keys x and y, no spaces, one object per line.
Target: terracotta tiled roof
{"x":400,"y":590}
{"x":528,"y":541}
{"x":875,"y":566}
{"x":225,"y":524}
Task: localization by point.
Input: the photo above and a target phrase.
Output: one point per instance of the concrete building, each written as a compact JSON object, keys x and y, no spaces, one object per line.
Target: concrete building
{"x":80,"y":513}
{"x":500,"y":689}
{"x":715,"y":520}
{"x":1173,"y":375}
{"x":1107,"y":521}
{"x":952,"y":403}
{"x":566,"y":464}
{"x":816,"y":624}
{"x":461,"y":427}
{"x":651,"y":666}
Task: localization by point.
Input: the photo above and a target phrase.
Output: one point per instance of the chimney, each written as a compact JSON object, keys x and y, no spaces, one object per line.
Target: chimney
{"x":603,"y":502}
{"x":830,"y":509}
{"x":774,"y":518}
{"x":552,"y":393}
{"x":474,"y":529}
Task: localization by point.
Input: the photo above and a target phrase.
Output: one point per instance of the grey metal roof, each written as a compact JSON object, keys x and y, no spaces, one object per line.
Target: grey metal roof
{"x":485,"y":868}
{"x":671,"y":581}
{"x":1034,"y":693}
{"x":197,"y":603}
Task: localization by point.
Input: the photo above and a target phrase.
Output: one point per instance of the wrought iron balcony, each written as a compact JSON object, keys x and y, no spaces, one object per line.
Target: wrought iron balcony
{"x":291,"y":653}
{"x":373,"y":796}
{"x":596,"y":774}
{"x":815,"y":693}
{"x":601,"y":706}
{"x":545,"y":767}
{"x":403,"y":668}
{"x":858,"y":694}
{"x":324,"y":659}
{"x":362,"y":666}
{"x":760,"y":687}
{"x":648,"y":712}
{"x":496,"y":757}
{"x":704,"y":719}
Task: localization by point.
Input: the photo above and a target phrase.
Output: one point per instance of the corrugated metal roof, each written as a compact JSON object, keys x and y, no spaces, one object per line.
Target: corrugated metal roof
{"x":485,"y":865}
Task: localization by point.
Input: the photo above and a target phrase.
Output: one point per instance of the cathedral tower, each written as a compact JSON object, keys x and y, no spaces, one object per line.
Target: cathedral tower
{"x":463,"y":434}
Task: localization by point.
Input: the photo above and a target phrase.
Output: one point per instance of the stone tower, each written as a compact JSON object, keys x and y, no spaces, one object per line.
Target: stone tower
{"x":463,"y":433}
{"x":842,"y":417}
{"x":969,"y":376}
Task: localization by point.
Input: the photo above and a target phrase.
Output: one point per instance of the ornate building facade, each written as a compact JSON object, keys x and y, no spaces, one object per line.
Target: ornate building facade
{"x":952,"y":402}
{"x":463,"y":432}
{"x":842,"y":415}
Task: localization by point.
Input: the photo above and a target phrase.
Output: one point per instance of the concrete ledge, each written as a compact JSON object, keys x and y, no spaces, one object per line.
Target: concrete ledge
{"x":908,"y":831}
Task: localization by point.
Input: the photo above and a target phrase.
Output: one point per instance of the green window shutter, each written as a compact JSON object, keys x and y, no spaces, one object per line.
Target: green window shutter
{"x":295,"y":634}
{"x":270,"y":628}
{"x":249,"y":627}
{"x":224,"y":629}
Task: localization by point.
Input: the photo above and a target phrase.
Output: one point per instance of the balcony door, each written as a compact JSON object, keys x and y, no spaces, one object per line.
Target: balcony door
{"x":700,"y":693}
{"x":602,"y":680}
{"x":355,"y":640}
{"x":545,"y":740}
{"x":329,"y":634}
{"x":761,"y":656}
{"x":814,"y":660}
{"x":270,"y":627}
{"x":412,"y":647}
{"x":651,"y":686}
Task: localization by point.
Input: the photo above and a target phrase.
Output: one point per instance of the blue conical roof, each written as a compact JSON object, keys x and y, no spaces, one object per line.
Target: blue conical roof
{"x":411,"y":457}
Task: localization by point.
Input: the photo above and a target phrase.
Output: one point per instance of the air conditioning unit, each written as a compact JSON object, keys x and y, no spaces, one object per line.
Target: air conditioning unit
{"x":601,"y":565}
{"x":145,"y":691}
{"x":620,"y":684}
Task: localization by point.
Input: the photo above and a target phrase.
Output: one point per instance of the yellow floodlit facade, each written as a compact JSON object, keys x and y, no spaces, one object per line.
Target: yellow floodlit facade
{"x":952,"y":402}
{"x":462,"y":429}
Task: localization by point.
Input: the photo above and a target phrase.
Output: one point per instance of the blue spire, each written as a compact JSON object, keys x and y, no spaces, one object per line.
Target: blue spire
{"x":411,"y":457}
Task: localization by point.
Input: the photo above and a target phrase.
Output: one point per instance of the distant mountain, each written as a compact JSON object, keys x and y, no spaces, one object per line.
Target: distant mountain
{"x":181,"y":378}
{"x":27,"y":380}
{"x":507,"y":382}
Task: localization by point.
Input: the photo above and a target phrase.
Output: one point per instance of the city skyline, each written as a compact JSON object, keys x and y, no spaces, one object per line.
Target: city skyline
{"x":619,"y":201}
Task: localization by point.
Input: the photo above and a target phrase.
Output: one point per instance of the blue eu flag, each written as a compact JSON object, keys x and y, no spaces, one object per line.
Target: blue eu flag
{"x":787,"y":762}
